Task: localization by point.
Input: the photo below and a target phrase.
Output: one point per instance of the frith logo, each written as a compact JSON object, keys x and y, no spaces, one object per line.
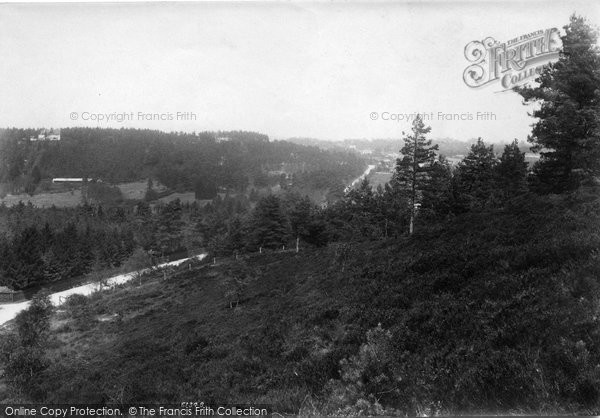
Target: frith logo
{"x":513,"y":62}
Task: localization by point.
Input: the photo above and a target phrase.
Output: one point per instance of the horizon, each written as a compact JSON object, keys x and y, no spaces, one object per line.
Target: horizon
{"x":271,"y":138}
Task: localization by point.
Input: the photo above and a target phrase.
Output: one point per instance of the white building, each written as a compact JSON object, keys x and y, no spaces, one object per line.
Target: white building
{"x":47,"y":135}
{"x":68,"y":180}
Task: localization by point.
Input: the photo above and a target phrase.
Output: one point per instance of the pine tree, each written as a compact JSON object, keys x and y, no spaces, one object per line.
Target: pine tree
{"x":413,"y":169}
{"x":476,"y":174}
{"x":567,"y":131}
{"x":236,"y":236}
{"x":511,"y":171}
{"x":66,"y":250}
{"x":299,"y":215}
{"x":437,"y":190}
{"x":169,"y":227}
{"x":270,"y":227}
{"x":151,"y":194}
{"x":28,"y":266}
{"x":364,"y":211}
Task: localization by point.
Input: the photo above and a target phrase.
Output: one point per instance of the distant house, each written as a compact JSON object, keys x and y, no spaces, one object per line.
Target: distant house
{"x":47,"y":135}
{"x":220,"y":139}
{"x":8,"y":295}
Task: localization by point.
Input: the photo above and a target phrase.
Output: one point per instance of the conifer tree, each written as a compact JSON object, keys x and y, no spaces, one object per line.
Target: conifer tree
{"x":236,"y":237}
{"x":151,"y":194}
{"x":437,"y":190}
{"x":364,"y":211}
{"x":512,"y":170}
{"x":299,"y":215}
{"x":27,"y":267}
{"x":169,"y":227}
{"x":476,"y":174}
{"x":568,"y":130}
{"x":413,"y":169}
{"x":270,"y":227}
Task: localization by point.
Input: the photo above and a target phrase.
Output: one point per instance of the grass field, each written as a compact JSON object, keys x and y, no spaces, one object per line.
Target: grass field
{"x":45,"y":200}
{"x":187,"y":197}
{"x":136,"y":190}
{"x":131,"y":191}
{"x":379,"y":178}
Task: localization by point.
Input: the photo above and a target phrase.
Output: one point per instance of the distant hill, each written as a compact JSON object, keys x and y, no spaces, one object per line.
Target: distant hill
{"x":315,"y":142}
{"x":200,"y":162}
{"x":448,"y":146}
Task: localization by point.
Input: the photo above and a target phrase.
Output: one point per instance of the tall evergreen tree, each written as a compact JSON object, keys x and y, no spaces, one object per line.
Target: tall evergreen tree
{"x":568,"y":130}
{"x":413,"y":169}
{"x":437,"y":190}
{"x":299,"y":213}
{"x":476,"y":174}
{"x":27,"y":267}
{"x":364,"y":211}
{"x":169,"y":227}
{"x":512,"y":170}
{"x":236,"y":234}
{"x":270,"y":227}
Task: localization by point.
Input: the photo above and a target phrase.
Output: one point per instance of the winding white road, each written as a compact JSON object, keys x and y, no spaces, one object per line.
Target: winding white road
{"x":10,"y":310}
{"x":358,"y":179}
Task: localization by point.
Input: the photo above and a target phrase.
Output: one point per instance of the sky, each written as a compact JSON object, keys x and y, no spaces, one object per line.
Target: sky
{"x":327,"y":70}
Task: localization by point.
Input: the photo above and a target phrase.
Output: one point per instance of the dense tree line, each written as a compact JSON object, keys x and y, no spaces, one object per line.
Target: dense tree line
{"x":35,"y":255}
{"x":40,"y":246}
{"x":235,"y":226}
{"x":200,"y":162}
{"x":422,"y":193}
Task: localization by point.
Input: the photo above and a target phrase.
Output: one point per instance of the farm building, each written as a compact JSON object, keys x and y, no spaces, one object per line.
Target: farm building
{"x":9,"y":295}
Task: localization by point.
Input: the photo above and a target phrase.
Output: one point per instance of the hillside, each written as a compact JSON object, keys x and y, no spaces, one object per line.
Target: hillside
{"x":200,"y":162}
{"x":478,"y":313}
